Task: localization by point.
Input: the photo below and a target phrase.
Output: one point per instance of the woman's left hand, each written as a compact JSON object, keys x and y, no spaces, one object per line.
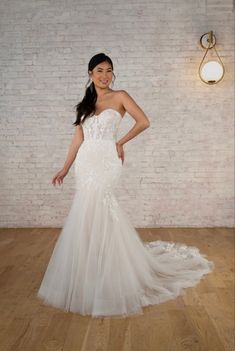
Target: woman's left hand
{"x":120,"y":151}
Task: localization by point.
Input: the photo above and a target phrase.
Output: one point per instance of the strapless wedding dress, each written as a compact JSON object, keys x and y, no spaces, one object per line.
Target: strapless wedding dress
{"x":99,"y":265}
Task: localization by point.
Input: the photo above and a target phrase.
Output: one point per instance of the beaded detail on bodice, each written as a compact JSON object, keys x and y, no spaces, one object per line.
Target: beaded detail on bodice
{"x":103,"y":126}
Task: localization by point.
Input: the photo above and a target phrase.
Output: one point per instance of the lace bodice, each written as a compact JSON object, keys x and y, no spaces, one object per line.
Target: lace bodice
{"x":103,"y":126}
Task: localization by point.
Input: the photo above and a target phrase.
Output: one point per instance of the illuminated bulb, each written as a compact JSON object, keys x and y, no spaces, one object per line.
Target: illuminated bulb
{"x":212,"y":72}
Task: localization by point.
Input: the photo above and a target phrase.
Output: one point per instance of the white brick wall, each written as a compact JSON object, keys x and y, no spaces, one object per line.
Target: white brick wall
{"x":179,"y":172}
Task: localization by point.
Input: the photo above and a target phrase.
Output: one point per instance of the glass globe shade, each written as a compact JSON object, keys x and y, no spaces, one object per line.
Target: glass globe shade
{"x":211,"y":72}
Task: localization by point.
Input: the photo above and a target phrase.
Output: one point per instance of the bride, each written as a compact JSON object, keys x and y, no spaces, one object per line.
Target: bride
{"x":99,"y":265}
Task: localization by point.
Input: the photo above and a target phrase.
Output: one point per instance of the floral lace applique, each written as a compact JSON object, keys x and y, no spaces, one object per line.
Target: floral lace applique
{"x":110,"y":201}
{"x":177,"y":249}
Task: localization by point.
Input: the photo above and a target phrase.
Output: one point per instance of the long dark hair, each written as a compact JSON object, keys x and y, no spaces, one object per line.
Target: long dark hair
{"x":86,"y":107}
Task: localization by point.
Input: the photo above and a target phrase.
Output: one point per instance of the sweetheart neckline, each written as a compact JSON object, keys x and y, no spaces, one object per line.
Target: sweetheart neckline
{"x":106,"y":109}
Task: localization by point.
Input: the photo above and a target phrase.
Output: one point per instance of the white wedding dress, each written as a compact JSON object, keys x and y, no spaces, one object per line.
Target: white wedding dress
{"x":100,"y":266}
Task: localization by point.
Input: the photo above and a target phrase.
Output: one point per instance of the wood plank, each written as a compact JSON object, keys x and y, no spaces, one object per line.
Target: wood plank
{"x":202,"y":319}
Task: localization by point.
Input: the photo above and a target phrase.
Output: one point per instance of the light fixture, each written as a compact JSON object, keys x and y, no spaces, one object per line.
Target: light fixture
{"x":212,"y":70}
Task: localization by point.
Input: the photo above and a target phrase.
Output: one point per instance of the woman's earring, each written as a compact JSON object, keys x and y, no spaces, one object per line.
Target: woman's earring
{"x":89,"y":84}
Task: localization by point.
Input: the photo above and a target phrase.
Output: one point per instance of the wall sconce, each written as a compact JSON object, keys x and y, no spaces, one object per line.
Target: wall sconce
{"x":212,"y":71}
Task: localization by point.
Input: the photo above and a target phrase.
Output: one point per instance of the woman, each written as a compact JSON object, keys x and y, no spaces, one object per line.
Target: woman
{"x":100,"y":266}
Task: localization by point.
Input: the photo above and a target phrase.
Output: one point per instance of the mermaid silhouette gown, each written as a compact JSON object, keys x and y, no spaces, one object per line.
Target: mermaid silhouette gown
{"x":99,"y":265}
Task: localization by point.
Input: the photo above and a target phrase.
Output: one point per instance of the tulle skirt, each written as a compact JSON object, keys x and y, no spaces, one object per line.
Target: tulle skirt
{"x":99,"y":265}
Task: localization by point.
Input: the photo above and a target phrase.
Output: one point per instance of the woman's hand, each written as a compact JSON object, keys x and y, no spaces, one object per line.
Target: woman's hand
{"x":120,"y":151}
{"x":59,"y":177}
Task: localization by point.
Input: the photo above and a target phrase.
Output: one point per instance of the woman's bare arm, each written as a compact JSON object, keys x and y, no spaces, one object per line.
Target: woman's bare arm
{"x":73,"y":148}
{"x":142,"y":121}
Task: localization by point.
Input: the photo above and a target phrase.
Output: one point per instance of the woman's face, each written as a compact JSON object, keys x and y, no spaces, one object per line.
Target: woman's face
{"x":102,"y":74}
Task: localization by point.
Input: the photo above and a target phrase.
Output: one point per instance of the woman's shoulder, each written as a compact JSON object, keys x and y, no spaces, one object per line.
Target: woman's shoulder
{"x":121,"y":94}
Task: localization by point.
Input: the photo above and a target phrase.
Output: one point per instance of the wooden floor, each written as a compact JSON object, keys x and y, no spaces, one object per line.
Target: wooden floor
{"x":202,"y":320}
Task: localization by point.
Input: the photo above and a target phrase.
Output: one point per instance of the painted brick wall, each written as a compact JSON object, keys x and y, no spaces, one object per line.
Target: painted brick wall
{"x":179,"y":172}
